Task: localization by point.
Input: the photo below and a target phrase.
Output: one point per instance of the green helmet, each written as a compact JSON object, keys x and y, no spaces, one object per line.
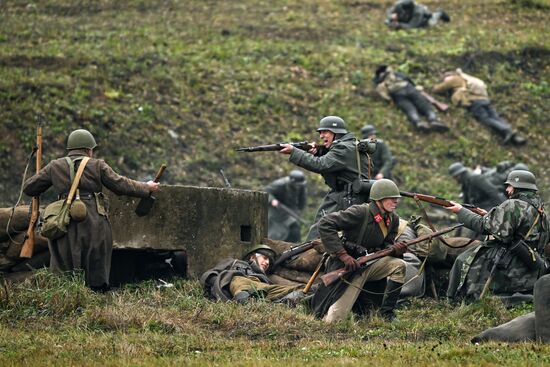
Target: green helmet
{"x":456,"y":169}
{"x":521,"y":180}
{"x":384,"y":188}
{"x":367,"y":131}
{"x":333,"y":123}
{"x":297,"y":177}
{"x":261,"y":249}
{"x":81,"y":139}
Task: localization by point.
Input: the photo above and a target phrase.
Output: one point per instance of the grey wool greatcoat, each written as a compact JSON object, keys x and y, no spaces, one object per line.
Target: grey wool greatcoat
{"x":88,"y":244}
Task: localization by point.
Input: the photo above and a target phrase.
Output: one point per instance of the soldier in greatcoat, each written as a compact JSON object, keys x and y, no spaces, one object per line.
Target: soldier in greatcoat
{"x":88,"y":243}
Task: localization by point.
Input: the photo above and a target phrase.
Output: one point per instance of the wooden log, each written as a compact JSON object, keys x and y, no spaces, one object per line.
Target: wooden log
{"x":277,"y":245}
{"x":19,"y":221}
{"x":15,"y":244}
{"x":306,"y":261}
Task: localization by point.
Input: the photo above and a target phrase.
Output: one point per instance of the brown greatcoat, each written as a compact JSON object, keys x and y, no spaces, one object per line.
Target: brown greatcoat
{"x":88,"y":244}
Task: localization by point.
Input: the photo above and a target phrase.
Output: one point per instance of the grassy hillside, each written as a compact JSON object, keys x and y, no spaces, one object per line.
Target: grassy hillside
{"x":185,"y":82}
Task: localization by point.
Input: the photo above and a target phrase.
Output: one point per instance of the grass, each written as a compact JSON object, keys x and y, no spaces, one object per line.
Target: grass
{"x":141,"y":324}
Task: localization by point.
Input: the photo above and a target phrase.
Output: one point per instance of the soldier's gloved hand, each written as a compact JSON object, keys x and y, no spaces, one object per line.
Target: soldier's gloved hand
{"x":398,"y":249}
{"x":350,"y":263}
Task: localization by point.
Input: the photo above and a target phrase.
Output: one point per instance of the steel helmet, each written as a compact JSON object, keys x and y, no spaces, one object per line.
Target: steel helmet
{"x":81,"y":139}
{"x":367,"y":131}
{"x":261,"y":249}
{"x":333,"y":123}
{"x":522,"y":180}
{"x":297,"y":177}
{"x":384,"y":188}
{"x":456,"y":169}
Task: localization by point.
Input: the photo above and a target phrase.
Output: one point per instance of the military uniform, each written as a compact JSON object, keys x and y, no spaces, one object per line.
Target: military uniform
{"x":338,"y":166}
{"x":508,"y":223}
{"x":282,"y":226}
{"x":412,"y":15}
{"x":336,"y":301}
{"x":382,"y":160}
{"x":231,"y":277}
{"x":395,"y":86}
{"x":87,"y":244}
{"x":471,"y":93}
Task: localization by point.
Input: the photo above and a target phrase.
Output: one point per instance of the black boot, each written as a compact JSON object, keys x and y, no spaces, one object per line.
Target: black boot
{"x":391,"y":295}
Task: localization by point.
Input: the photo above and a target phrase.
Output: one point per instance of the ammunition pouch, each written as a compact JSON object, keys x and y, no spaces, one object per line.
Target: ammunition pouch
{"x":102,"y":203}
{"x":361,"y":187}
{"x":530,"y":257}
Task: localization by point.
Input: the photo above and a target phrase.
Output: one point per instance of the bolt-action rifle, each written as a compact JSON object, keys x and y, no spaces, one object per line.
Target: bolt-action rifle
{"x":303,"y":145}
{"x":294,"y":251}
{"x":441,"y":201}
{"x":291,"y":212}
{"x":333,"y":276}
{"x":28,"y":244}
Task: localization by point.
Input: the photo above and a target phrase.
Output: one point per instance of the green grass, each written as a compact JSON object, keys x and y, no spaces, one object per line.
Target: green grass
{"x":143,"y":325}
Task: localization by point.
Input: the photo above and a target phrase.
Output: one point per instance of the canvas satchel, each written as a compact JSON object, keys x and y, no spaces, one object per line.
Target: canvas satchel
{"x":57,"y":214}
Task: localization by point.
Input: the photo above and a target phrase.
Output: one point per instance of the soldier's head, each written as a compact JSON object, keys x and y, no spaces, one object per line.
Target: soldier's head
{"x":368,"y":131}
{"x":81,"y":139}
{"x":504,"y":166}
{"x":456,"y":170}
{"x":261,"y":255}
{"x":380,"y":73}
{"x":519,"y":180}
{"x":330,"y":129}
{"x":385,"y":194}
{"x":297,"y":177}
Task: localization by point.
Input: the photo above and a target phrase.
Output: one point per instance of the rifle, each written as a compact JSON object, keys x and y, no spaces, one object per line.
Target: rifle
{"x":500,"y":253}
{"x":439,"y":105}
{"x":28,"y":244}
{"x":225,"y":179}
{"x":303,"y":145}
{"x":441,"y":201}
{"x":291,"y":212}
{"x":333,"y":276}
{"x":293,"y":252}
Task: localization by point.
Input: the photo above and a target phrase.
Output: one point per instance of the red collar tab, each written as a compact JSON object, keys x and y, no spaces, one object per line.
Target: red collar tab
{"x":378,"y":218}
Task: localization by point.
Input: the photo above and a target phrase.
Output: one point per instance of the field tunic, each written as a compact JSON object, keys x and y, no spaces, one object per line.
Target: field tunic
{"x":508,"y":223}
{"x":88,"y":244}
{"x":338,"y":166}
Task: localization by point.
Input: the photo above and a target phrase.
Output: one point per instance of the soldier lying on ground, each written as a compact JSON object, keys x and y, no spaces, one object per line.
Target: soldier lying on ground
{"x":397,"y":87}
{"x":470,"y":92}
{"x":514,"y":259}
{"x":406,"y":14}
{"x":241,"y":280}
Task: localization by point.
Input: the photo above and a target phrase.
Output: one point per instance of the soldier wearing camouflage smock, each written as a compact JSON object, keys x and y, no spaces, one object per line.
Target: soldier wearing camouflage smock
{"x":521,"y":231}
{"x":88,"y":244}
{"x":366,"y":227}
{"x":339,"y":162}
{"x":286,"y":193}
{"x":382,"y":160}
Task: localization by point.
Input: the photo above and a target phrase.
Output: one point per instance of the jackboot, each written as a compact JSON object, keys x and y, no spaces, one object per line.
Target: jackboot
{"x":438,"y":126}
{"x":422,"y":126}
{"x":391,"y":295}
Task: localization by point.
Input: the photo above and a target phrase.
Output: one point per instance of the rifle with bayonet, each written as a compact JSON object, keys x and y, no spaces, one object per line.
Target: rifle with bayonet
{"x":333,"y":276}
{"x":28,"y":245}
{"x":441,"y":201}
{"x":293,"y":252}
{"x":303,"y":145}
{"x":291,"y":212}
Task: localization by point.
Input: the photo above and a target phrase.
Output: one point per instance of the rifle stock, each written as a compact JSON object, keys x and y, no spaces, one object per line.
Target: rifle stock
{"x":333,"y":276}
{"x":440,"y":201}
{"x":28,"y":245}
{"x":303,"y":145}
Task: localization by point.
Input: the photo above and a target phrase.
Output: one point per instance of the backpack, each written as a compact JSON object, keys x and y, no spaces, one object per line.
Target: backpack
{"x":474,"y":85}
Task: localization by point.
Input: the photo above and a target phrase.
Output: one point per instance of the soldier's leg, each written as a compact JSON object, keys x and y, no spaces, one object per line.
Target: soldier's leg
{"x":406,"y":105}
{"x":483,"y":112}
{"x":293,"y":233}
{"x":426,"y":109}
{"x":390,"y":267}
{"x":542,"y":309}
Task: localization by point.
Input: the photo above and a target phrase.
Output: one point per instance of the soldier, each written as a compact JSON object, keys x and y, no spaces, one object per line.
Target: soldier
{"x":241,"y":280}
{"x":515,"y":258}
{"x":470,"y":92}
{"x":382,"y":159}
{"x":287,"y":193}
{"x":339,"y":162}
{"x":476,"y":189}
{"x":406,"y":14}
{"x":88,"y":243}
{"x":366,"y":227}
{"x":396,"y":86}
